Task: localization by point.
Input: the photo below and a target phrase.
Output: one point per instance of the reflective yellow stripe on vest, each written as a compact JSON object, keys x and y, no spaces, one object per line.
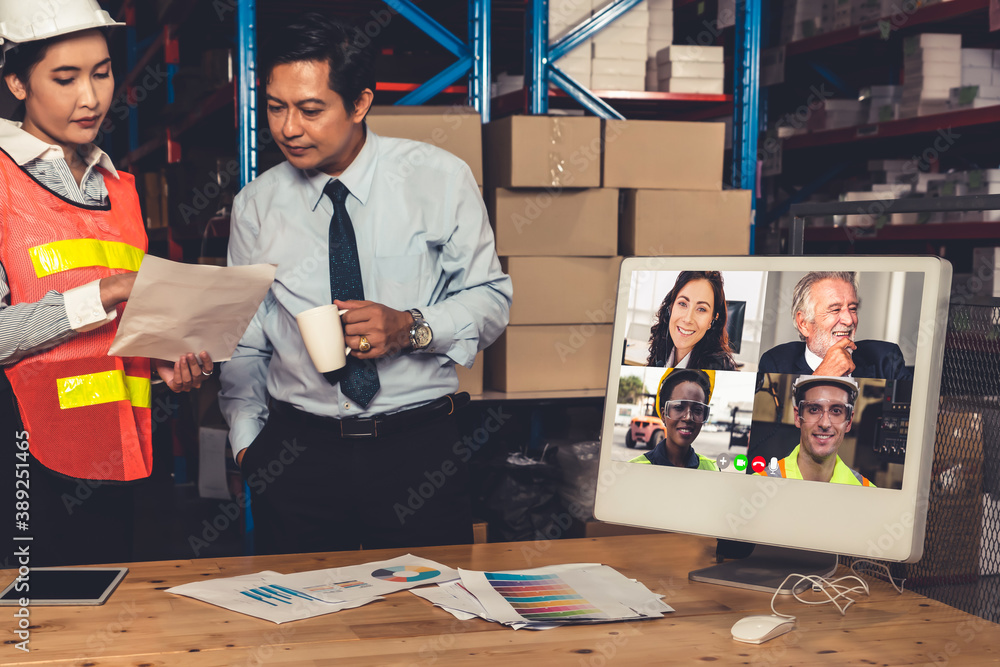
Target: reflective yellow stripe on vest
{"x":61,"y":256}
{"x":106,"y":387}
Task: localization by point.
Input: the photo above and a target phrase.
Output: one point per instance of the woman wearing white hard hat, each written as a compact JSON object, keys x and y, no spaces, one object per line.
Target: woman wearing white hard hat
{"x":71,"y":239}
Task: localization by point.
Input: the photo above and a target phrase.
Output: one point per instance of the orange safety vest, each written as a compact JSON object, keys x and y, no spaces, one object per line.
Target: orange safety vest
{"x":87,"y":414}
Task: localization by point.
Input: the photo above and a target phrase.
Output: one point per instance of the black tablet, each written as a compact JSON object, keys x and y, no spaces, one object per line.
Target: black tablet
{"x":63,"y":586}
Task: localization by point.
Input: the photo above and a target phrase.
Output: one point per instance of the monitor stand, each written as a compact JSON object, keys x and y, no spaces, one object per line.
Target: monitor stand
{"x":766,"y":568}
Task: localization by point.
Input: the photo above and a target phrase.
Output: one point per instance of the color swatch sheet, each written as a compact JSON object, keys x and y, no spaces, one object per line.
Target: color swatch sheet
{"x":548,"y":597}
{"x":280,"y":598}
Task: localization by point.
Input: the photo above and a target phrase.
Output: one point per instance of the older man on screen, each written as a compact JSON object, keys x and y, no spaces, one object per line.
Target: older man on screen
{"x":825,"y":312}
{"x":824,"y":412}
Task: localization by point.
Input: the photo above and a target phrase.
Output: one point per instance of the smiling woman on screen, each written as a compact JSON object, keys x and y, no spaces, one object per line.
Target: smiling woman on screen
{"x":690,"y":327}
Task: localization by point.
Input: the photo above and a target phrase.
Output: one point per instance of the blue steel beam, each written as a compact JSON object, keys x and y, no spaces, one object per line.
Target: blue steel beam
{"x":588,"y":29}
{"x":435,"y":30}
{"x":438,"y":82}
{"x":246,"y":38}
{"x":586,"y":99}
{"x":480,"y":76}
{"x":246,"y":41}
{"x":536,"y":46}
{"x":746,"y":102}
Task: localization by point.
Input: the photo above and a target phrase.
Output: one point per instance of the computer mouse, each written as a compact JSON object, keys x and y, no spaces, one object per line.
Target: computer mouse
{"x":759,"y":629}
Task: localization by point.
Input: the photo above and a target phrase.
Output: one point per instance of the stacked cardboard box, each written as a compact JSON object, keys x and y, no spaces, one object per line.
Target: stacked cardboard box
{"x":932,"y":66}
{"x":834,"y":114}
{"x":556,"y":233}
{"x":673,"y":201}
{"x":691,"y":69}
{"x":980,"y":81}
{"x":564,"y":15}
{"x":457,"y":130}
{"x":620,"y":50}
{"x":661,"y":35}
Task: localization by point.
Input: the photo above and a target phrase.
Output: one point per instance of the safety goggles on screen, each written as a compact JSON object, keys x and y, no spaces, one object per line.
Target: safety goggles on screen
{"x":813,"y":411}
{"x":678,"y":409}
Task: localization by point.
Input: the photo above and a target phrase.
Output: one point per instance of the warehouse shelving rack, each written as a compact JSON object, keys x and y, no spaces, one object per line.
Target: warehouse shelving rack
{"x":473,"y":62}
{"x":834,"y":147}
{"x":541,"y":69}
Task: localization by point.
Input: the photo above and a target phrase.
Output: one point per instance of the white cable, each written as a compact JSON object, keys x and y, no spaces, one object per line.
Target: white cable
{"x":823,"y":585}
{"x":880,"y":567}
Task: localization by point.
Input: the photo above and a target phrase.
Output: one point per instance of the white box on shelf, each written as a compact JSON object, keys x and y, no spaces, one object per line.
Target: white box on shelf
{"x":931,"y":40}
{"x":926,"y":68}
{"x":977,"y":76}
{"x":977,"y":58}
{"x":618,"y":81}
{"x":609,"y":67}
{"x":622,"y":51}
{"x":699,"y":86}
{"x":690,"y":53}
{"x":654,"y":46}
{"x":689,"y":70}
{"x":933,"y":56}
{"x":660,"y":32}
{"x":615,"y":34}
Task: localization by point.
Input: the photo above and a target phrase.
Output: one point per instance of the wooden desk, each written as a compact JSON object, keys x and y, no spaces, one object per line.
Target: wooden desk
{"x":142,"y":625}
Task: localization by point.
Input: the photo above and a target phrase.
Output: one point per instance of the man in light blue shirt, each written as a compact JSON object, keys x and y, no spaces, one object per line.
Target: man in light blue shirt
{"x":328,"y":470}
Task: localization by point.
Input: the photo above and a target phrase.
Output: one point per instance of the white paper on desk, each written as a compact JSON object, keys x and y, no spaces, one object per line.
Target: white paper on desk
{"x":454,"y":599}
{"x":562,"y":594}
{"x":179,"y":308}
{"x":242,"y":594}
{"x":375,"y":578}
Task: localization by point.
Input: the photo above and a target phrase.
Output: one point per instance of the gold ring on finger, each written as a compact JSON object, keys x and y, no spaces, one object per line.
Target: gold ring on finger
{"x":364,"y":346}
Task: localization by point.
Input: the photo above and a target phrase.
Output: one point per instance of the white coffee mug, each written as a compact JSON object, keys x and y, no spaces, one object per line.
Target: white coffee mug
{"x":323,"y":334}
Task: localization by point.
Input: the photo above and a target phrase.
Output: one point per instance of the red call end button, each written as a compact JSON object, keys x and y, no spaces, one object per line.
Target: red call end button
{"x":758,"y":464}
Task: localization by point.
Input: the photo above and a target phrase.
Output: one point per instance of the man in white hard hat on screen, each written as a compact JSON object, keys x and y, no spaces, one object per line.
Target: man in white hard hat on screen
{"x":824,"y":411}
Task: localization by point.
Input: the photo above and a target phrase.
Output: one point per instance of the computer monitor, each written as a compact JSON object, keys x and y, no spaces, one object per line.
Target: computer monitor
{"x":838,"y":460}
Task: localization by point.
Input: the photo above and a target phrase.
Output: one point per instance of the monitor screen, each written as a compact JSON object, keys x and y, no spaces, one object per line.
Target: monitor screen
{"x":813,"y":430}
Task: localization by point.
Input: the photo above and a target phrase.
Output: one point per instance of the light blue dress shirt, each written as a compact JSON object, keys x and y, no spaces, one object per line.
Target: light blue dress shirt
{"x":424,"y":241}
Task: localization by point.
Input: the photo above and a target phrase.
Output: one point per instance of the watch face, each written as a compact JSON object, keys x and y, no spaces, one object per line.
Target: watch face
{"x":422,"y":335}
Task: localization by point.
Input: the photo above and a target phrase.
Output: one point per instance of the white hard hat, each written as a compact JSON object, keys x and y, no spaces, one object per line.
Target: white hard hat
{"x":25,"y":21}
{"x":847,"y":383}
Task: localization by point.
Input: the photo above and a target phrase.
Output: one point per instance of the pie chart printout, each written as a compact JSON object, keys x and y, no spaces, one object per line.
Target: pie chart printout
{"x":405,"y":573}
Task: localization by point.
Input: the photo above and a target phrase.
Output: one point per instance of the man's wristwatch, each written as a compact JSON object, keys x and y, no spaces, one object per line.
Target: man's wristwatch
{"x":420,"y":332}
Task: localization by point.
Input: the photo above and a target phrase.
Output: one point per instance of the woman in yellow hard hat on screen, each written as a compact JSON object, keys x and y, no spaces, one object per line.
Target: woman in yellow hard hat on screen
{"x":71,"y":239}
{"x":682,"y":403}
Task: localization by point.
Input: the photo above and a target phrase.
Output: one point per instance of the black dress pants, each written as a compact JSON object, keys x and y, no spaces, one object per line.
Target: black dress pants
{"x":313,"y":490}
{"x":70,"y":521}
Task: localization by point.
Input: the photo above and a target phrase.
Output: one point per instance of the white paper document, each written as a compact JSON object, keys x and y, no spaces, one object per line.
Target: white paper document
{"x":179,"y":308}
{"x":280,"y":598}
{"x":549,"y":597}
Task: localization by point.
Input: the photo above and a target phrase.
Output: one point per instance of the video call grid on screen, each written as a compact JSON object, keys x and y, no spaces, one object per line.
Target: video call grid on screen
{"x":903,"y":309}
{"x":752,"y":412}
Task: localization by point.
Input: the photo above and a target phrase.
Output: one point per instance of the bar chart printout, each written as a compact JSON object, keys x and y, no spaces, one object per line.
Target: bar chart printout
{"x":544,"y":597}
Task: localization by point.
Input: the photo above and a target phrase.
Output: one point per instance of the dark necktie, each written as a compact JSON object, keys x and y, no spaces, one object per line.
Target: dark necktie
{"x":359,"y":378}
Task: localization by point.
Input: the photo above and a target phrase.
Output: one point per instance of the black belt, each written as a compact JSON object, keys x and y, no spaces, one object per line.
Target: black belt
{"x":373,"y":427}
